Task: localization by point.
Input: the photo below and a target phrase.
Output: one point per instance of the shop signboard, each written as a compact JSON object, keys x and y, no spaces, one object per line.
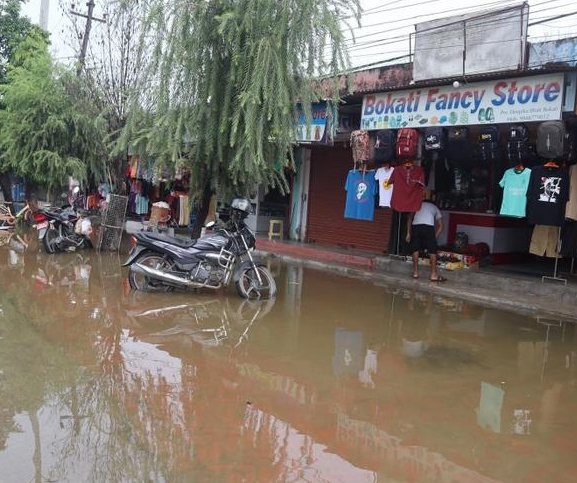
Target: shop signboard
{"x":523,"y":99}
{"x":319,"y":129}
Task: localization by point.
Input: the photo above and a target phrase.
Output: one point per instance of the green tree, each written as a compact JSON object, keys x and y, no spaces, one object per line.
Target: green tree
{"x":220,"y":80}
{"x":49,"y":128}
{"x":13,"y":30}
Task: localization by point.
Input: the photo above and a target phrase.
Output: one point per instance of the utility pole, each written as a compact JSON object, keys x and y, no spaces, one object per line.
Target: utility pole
{"x":44,"y":8}
{"x":89,"y":18}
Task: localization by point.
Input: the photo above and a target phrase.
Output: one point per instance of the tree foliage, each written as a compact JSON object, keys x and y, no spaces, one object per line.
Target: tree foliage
{"x":13,"y":29}
{"x":220,"y":81}
{"x":49,"y":128}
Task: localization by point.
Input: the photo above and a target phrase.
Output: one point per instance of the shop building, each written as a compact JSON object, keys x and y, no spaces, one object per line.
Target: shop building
{"x":432,"y":93}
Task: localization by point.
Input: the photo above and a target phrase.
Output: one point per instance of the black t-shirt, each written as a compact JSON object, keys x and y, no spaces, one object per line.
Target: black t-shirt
{"x":547,"y":195}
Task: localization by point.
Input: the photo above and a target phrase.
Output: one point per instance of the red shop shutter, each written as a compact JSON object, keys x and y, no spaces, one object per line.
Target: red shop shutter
{"x":326,"y":224}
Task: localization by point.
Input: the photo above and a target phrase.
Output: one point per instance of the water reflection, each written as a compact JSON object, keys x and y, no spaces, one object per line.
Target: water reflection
{"x":335,"y":380}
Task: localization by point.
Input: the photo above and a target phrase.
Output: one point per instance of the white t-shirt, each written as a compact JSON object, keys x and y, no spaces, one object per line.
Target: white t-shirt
{"x":427,"y":214}
{"x":382,"y":176}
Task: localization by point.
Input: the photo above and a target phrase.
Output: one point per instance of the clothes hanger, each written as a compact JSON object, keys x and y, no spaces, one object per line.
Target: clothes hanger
{"x":551,"y":164}
{"x":519,"y":168}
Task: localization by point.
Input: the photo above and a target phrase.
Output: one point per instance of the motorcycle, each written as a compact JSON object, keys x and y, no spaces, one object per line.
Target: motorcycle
{"x":63,"y":229}
{"x":160,"y":262}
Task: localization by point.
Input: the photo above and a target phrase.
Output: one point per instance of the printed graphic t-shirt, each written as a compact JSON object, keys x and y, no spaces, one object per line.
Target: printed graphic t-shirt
{"x":515,"y":186}
{"x":361,"y":188}
{"x":547,"y":196}
{"x":383,"y":175}
{"x":409,"y":184}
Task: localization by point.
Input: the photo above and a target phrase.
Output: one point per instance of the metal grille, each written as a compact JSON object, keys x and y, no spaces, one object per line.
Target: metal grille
{"x":112,"y":227}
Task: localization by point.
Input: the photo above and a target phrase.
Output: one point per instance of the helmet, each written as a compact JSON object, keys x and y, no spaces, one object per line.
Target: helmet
{"x":242,"y":204}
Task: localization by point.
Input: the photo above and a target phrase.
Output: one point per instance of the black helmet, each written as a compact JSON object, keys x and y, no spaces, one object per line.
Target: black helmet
{"x":243,"y":205}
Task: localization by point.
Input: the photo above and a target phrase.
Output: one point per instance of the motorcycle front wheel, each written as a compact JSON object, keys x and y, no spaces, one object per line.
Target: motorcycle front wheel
{"x":143,"y":283}
{"x":249,"y":287}
{"x":49,"y":241}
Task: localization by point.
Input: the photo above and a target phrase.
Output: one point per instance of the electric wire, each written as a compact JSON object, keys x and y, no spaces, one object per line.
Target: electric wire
{"x":362,"y":49}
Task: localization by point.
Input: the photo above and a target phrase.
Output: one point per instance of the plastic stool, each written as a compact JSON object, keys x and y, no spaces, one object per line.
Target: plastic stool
{"x":275,"y":228}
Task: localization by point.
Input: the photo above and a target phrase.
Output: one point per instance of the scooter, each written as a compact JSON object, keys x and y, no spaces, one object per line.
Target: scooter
{"x":160,"y":262}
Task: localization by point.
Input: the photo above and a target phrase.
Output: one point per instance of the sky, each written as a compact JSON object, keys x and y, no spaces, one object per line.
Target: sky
{"x":386,"y":24}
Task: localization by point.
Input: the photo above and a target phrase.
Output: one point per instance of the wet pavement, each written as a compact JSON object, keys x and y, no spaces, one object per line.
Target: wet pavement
{"x":536,"y":287}
{"x":338,"y":379}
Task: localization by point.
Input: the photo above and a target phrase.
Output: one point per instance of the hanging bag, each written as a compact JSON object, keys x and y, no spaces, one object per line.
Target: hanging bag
{"x":459,"y":146}
{"x":385,"y":145}
{"x":407,"y":142}
{"x":551,"y":139}
{"x":518,"y":144}
{"x":360,"y":146}
{"x":434,"y":138}
{"x":489,"y":142}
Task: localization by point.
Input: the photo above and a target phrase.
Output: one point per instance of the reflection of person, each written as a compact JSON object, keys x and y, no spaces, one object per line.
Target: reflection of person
{"x":423,"y":228}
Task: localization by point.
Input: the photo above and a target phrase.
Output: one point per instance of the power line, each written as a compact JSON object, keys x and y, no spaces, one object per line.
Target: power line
{"x":360,"y":49}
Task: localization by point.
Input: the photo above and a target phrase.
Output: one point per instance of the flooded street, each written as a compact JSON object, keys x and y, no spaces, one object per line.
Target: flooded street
{"x":337,"y":380}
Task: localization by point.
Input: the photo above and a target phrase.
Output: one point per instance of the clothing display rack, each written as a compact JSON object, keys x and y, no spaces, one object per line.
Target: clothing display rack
{"x":555,"y":277}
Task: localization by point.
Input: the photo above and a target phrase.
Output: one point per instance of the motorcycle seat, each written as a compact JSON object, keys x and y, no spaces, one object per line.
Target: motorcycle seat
{"x":173,"y":240}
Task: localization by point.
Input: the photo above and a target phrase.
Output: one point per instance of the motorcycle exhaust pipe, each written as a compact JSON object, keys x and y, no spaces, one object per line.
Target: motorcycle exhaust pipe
{"x":163,"y":276}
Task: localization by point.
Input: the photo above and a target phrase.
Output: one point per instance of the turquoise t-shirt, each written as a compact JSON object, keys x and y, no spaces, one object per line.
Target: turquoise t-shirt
{"x":514,"y":186}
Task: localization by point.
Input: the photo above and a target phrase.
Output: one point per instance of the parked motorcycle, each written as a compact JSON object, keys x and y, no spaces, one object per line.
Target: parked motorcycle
{"x":63,"y":229}
{"x":160,"y":262}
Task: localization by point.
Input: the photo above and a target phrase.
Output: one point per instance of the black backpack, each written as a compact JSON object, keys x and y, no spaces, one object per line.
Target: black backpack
{"x":489,"y":142}
{"x":459,"y":150}
{"x":518,"y":144}
{"x":434,"y":138}
{"x":385,"y":143}
{"x":551,"y":139}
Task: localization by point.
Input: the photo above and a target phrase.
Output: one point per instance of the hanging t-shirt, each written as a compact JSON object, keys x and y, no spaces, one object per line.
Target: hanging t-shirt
{"x":547,"y":195}
{"x":515,"y":184}
{"x":409,"y":185}
{"x":361,"y":188}
{"x":383,"y":175}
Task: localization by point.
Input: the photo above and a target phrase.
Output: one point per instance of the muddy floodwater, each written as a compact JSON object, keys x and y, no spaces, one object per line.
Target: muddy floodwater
{"x":337,"y":380}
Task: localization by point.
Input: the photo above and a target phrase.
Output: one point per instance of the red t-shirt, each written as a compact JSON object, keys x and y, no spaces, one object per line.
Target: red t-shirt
{"x":409,"y":183}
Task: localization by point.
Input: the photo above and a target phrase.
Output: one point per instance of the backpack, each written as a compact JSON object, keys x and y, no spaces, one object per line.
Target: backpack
{"x":407,"y":142}
{"x":434,"y":138}
{"x":360,"y":146}
{"x":489,"y":142}
{"x":385,"y":145}
{"x":551,"y":139}
{"x":518,"y":144}
{"x":459,"y":145}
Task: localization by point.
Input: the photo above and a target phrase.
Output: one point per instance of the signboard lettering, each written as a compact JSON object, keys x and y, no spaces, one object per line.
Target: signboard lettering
{"x":528,"y":99}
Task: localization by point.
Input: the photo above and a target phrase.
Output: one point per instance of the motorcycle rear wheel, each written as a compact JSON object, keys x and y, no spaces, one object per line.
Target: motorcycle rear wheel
{"x":249,"y":287}
{"x":143,"y":283}
{"x":49,"y":241}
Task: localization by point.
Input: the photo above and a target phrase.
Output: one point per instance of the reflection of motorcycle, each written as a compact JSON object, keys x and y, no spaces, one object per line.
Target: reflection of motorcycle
{"x":62,"y":271}
{"x":63,"y":229}
{"x":210,"y":323}
{"x":160,"y":263}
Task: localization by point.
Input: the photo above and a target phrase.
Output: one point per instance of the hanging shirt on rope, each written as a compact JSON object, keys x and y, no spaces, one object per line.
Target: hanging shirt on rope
{"x":361,"y":188}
